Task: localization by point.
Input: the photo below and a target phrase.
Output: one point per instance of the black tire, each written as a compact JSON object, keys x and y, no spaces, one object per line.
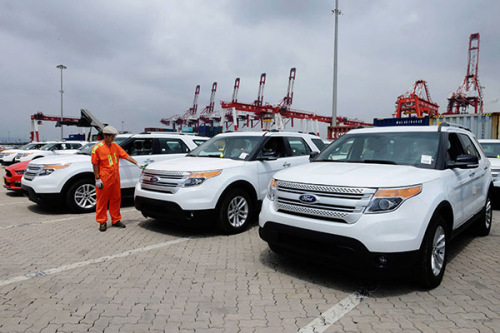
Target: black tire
{"x":234,"y":212}
{"x":276,"y":249}
{"x":433,"y":254}
{"x":81,"y":196}
{"x":483,"y":225}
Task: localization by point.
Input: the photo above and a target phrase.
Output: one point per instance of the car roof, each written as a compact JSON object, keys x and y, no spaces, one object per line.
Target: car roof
{"x":263,"y":133}
{"x":167,"y":135}
{"x":489,"y":141}
{"x":392,"y":129}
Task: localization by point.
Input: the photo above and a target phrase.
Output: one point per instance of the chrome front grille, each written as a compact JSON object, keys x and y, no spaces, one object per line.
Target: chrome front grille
{"x":163,"y":181}
{"x":32,"y":171}
{"x":2,"y":155}
{"x":495,"y":172}
{"x":331,"y":203}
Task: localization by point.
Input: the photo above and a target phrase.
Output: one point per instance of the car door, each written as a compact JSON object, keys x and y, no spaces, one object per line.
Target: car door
{"x":460,"y":182}
{"x":477,"y":175}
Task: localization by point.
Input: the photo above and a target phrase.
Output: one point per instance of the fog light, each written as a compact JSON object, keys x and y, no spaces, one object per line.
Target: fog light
{"x":382,"y":260}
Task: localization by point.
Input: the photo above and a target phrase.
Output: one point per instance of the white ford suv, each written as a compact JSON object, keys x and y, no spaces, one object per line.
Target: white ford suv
{"x":69,"y":179}
{"x":7,"y":156}
{"x":50,"y":149}
{"x":491,"y":148}
{"x":224,"y":180}
{"x":385,"y":198}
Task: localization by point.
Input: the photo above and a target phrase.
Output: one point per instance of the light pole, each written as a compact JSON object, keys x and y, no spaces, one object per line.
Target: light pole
{"x":61,"y":67}
{"x":336,"y":11}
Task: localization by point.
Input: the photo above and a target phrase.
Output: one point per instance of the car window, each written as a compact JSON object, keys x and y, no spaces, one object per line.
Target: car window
{"x":454,"y":146}
{"x":172,"y":146}
{"x":298,"y":146}
{"x":407,"y":148}
{"x":319,"y":143}
{"x":469,"y":147}
{"x":139,"y":146}
{"x":274,"y":147}
{"x":233,"y":147}
{"x":491,"y":149}
{"x":198,"y":142}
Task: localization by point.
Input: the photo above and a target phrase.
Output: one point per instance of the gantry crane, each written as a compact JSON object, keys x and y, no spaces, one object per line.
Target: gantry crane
{"x":207,"y":115}
{"x":416,"y":102}
{"x":470,"y":92}
{"x":189,"y":117}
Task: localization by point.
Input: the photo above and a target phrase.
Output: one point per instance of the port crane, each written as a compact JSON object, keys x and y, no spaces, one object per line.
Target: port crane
{"x":470,"y":92}
{"x":416,"y":102}
{"x":189,"y":118}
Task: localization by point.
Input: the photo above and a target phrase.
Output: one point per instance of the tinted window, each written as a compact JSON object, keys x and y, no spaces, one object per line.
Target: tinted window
{"x":469,"y":147}
{"x":138,"y":146}
{"x":274,"y":147}
{"x":172,"y":146}
{"x":298,"y":146}
{"x":319,"y":143}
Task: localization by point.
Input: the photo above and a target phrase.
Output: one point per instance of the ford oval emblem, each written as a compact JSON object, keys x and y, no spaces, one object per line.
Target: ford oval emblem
{"x":308,"y":198}
{"x":154,"y":179}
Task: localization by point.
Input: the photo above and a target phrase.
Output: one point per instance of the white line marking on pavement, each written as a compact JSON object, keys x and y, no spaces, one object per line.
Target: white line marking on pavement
{"x":89,"y":262}
{"x":332,"y":315}
{"x":13,"y":203}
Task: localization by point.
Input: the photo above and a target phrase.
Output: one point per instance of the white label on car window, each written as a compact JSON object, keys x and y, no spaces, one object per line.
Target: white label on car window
{"x":243,"y":156}
{"x":426,"y":159}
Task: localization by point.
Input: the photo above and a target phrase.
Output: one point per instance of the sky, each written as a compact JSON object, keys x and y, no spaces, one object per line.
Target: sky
{"x":134,"y":62}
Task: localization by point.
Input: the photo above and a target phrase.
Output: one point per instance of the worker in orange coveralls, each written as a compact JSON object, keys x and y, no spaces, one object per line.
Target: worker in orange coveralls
{"x":105,"y":161}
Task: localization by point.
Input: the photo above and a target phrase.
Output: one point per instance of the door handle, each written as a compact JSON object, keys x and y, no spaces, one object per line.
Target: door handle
{"x":472,"y":174}
{"x":149,"y":161}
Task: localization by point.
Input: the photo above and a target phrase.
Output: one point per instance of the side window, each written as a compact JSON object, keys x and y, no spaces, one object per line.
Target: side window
{"x":298,"y":146}
{"x":139,"y":147}
{"x":75,"y":145}
{"x":319,"y":143}
{"x":274,"y":147}
{"x":199,"y":142}
{"x":469,"y":147}
{"x":454,"y":146}
{"x":172,"y":146}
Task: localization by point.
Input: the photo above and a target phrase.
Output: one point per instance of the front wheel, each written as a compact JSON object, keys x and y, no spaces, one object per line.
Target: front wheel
{"x":432,"y":262}
{"x":81,"y":196}
{"x":483,"y":225}
{"x":234,"y":212}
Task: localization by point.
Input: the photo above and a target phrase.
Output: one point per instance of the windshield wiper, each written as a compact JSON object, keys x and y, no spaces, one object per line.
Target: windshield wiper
{"x":380,"y":162}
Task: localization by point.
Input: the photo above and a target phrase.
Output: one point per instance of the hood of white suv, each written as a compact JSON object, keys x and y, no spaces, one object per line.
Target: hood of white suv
{"x":358,"y":174}
{"x":495,"y":162}
{"x":195,"y":164}
{"x":59,"y":159}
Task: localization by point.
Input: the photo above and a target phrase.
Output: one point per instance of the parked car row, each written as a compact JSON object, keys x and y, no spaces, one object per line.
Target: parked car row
{"x":381,"y":199}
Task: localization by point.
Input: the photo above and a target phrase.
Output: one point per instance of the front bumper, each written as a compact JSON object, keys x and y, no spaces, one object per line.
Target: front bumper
{"x":333,"y":249}
{"x":11,"y":184}
{"x":41,"y":198}
{"x":172,"y":212}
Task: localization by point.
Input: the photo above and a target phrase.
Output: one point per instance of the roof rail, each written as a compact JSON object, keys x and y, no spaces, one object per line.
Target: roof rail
{"x":453,"y":125}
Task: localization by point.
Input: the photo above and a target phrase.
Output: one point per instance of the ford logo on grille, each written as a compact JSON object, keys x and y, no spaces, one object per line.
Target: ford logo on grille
{"x":308,"y":198}
{"x":154,"y":179}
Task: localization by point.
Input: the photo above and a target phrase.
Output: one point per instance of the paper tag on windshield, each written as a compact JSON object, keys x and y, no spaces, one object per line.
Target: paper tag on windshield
{"x":426,"y":159}
{"x":243,"y":156}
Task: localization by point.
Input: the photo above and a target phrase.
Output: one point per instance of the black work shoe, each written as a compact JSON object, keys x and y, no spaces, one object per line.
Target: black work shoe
{"x":119,"y":224}
{"x":102,"y":226}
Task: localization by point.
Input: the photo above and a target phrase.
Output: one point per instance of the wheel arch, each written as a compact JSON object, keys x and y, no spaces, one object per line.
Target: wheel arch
{"x":239,"y":184}
{"x":444,"y":210}
{"x":75,"y":178}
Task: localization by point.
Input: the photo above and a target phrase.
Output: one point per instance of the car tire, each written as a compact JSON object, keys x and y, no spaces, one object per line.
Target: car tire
{"x":81,"y":196}
{"x":483,"y":225}
{"x":234,"y":212}
{"x":433,"y":254}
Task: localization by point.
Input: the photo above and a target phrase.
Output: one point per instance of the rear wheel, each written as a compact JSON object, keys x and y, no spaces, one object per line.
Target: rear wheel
{"x":81,"y":196}
{"x":483,"y":225}
{"x":234,"y":212}
{"x":432,"y":262}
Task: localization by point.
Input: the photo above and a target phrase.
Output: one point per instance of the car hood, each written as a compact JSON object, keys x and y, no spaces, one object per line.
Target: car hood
{"x":17,"y":166}
{"x":358,"y":174}
{"x":195,"y":164}
{"x":60,"y":159}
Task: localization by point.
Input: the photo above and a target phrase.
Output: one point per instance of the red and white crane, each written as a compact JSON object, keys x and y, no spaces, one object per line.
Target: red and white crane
{"x":470,"y":92}
{"x":189,"y":117}
{"x":416,"y":102}
{"x":208,"y":115}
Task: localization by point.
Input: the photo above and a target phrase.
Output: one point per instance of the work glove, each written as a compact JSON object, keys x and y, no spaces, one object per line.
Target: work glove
{"x":99,"y":184}
{"x":142,"y":167}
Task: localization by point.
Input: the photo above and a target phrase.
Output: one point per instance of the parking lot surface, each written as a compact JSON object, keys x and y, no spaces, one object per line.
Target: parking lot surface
{"x":58,"y":273}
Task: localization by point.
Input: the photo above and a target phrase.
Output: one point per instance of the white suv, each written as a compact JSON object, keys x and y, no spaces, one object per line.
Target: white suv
{"x":491,"y":148}
{"x":384,"y":198}
{"x":7,"y":156}
{"x":70,"y":179}
{"x":224,"y":179}
{"x":50,"y":149}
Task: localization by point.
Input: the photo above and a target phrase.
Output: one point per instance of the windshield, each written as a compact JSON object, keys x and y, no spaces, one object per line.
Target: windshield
{"x":232,"y":147}
{"x":491,"y":149}
{"x":48,"y":146}
{"x":86,"y":149}
{"x":408,"y":148}
{"x":120,"y":139}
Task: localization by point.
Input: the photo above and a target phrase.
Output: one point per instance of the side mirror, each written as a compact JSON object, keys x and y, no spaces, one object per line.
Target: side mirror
{"x":464,"y":162}
{"x":264,"y":157}
{"x":313,"y":155}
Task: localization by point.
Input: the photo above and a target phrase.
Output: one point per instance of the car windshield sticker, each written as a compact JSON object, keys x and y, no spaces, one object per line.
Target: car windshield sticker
{"x":426,"y":159}
{"x":243,"y":156}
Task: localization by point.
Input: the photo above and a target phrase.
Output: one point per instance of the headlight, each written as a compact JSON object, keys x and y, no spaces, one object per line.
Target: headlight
{"x":271,"y":190}
{"x":49,"y":168}
{"x":389,"y":199}
{"x":26,"y":154}
{"x":197,"y":178}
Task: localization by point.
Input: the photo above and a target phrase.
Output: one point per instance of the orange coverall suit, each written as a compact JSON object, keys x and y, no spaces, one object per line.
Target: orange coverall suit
{"x":107,"y":158}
